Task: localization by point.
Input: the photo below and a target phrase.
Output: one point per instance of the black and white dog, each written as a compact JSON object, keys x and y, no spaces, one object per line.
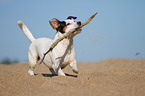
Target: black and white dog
{"x":62,"y":55}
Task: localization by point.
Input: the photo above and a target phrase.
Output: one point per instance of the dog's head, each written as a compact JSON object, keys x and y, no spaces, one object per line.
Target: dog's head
{"x":66,"y":25}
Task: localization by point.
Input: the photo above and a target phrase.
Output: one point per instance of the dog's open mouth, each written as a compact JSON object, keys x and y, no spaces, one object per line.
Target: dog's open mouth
{"x":80,"y":29}
{"x":77,"y":31}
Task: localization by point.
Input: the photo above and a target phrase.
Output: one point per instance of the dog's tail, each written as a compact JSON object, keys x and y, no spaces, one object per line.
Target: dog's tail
{"x":26,"y":30}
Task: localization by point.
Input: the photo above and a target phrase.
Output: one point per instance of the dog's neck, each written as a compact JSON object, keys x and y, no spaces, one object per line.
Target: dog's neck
{"x":65,"y":42}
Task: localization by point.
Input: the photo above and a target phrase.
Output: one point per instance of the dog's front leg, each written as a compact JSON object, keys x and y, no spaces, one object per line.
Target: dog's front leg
{"x":73,"y":65}
{"x":57,"y":68}
{"x":59,"y":71}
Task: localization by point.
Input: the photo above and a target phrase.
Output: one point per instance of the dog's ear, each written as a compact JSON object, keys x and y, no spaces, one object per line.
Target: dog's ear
{"x":54,"y":23}
{"x":70,"y":17}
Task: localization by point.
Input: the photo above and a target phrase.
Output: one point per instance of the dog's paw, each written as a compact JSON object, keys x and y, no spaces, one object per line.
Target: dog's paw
{"x":61,"y":75}
{"x":75,"y":71}
{"x":31,"y":72}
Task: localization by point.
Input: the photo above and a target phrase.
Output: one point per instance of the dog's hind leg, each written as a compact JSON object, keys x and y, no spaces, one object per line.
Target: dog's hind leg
{"x":73,"y":65}
{"x":33,"y":58}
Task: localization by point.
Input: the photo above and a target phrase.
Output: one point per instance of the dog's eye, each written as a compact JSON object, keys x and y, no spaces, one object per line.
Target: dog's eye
{"x":68,"y":23}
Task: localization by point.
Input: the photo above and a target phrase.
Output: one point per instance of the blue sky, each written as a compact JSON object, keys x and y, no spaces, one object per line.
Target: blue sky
{"x":117,"y":31}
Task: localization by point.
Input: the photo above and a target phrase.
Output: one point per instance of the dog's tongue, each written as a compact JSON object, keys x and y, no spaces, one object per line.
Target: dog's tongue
{"x":73,"y":34}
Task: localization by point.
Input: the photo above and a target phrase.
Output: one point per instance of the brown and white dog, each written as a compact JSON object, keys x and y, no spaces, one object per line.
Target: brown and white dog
{"x":62,"y":55}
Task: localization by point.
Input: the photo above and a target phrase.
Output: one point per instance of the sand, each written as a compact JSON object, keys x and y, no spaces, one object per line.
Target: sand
{"x":112,"y":77}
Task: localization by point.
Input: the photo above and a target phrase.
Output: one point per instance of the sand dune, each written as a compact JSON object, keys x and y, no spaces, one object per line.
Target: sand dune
{"x":112,"y":77}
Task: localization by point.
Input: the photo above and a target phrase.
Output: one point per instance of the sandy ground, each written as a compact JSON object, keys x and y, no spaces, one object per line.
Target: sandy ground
{"x":113,"y":77}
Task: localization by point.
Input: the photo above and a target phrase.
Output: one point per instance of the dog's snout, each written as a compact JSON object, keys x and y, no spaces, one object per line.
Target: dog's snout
{"x":79,"y":23}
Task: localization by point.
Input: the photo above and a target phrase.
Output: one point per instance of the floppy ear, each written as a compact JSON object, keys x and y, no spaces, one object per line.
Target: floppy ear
{"x":71,"y":17}
{"x":54,"y":23}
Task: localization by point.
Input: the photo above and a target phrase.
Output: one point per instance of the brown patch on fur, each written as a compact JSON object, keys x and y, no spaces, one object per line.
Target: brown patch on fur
{"x":64,"y":28}
{"x":54,"y":23}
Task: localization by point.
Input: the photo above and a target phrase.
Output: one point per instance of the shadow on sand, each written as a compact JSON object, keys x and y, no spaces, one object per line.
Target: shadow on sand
{"x":53,"y":75}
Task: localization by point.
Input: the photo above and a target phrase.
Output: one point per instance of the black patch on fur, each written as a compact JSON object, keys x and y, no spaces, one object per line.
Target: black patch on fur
{"x":62,"y":25}
{"x":70,"y":17}
{"x":38,"y":58}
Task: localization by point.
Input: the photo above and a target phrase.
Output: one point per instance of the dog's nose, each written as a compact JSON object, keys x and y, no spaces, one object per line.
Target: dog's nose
{"x":79,"y":23}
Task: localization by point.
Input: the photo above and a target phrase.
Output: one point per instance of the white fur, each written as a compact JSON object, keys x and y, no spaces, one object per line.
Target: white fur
{"x":61,"y":56}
